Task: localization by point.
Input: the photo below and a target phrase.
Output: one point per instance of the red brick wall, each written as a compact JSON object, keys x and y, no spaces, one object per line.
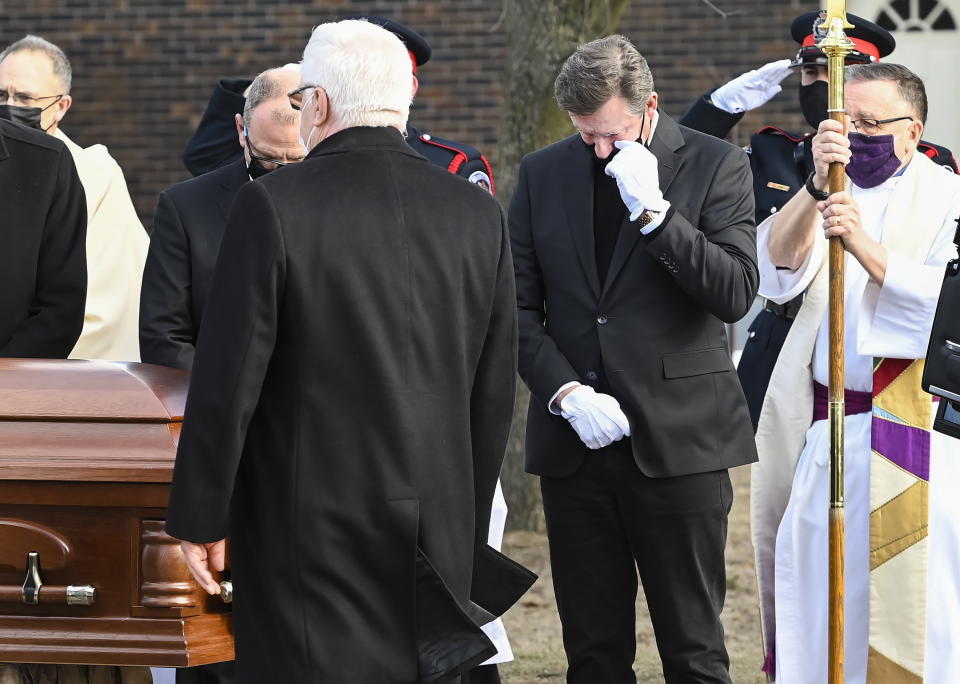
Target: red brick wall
{"x":143,"y":69}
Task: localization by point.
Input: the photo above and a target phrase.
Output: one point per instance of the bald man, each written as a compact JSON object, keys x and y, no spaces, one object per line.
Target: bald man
{"x":191,"y":217}
{"x":35,"y":79}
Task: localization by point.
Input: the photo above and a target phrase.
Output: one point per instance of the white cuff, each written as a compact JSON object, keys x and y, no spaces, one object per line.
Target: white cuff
{"x":896,"y":318}
{"x":722,"y":104}
{"x":781,"y":285}
{"x":553,"y":399}
{"x":657,"y":219}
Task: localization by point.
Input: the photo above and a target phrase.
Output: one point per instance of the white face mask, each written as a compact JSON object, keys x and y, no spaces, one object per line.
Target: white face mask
{"x":306,"y":145}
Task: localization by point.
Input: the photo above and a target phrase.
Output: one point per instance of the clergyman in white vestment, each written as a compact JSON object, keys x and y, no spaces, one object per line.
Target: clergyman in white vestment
{"x":897,"y":224}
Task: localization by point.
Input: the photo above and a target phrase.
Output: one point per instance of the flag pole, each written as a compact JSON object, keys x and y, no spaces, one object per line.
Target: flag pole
{"x":836,"y":45}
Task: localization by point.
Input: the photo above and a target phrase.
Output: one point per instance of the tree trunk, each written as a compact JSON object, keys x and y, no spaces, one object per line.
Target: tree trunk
{"x":541,"y":34}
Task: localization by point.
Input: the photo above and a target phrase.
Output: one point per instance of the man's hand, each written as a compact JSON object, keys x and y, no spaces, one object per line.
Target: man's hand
{"x":752,"y":89}
{"x":830,"y":144}
{"x":597,"y":418}
{"x":635,"y":169}
{"x":841,"y":218}
{"x":201,"y":558}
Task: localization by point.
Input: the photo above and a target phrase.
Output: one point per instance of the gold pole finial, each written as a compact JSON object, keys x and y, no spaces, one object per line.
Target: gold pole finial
{"x":837,"y":9}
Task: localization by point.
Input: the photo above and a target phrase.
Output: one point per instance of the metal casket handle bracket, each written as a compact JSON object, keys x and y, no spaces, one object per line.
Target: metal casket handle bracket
{"x":32,"y":582}
{"x":72,"y":595}
{"x":226,"y":591}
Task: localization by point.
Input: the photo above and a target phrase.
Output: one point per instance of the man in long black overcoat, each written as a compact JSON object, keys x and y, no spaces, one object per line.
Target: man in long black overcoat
{"x":351,"y":395}
{"x":43,"y":261}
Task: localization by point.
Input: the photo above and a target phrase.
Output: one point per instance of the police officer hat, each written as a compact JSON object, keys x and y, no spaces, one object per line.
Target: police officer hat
{"x":417,"y":45}
{"x":871,"y":41}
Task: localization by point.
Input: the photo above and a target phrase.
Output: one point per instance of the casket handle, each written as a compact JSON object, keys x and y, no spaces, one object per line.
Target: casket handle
{"x":226,"y":591}
{"x":31,"y":594}
{"x":32,"y":583}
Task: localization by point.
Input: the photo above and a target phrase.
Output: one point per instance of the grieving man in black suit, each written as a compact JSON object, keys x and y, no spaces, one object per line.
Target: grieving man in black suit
{"x":191,"y":216}
{"x":43,"y":230}
{"x":633,"y":243}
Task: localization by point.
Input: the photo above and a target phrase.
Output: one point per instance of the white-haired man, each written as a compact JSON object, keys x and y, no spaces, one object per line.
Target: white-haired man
{"x":35,"y":74}
{"x":369,"y":346}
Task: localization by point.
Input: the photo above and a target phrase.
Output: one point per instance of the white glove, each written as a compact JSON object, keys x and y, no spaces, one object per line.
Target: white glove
{"x":752,"y":89}
{"x":597,"y":418}
{"x":635,"y":169}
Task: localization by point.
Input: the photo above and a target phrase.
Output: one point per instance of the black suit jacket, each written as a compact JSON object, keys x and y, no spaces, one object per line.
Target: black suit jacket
{"x":43,"y":259}
{"x":655,"y":329}
{"x":187,"y":230}
{"x":348,"y":413}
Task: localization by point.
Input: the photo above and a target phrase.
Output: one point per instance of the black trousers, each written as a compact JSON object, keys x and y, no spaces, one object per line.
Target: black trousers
{"x":767,"y":334}
{"x":223,"y":673}
{"x":217,"y":673}
{"x":485,"y":674}
{"x":608,"y":521}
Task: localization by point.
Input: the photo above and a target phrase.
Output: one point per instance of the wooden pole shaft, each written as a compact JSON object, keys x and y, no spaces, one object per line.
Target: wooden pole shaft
{"x":835,"y":674}
{"x":836,"y":46}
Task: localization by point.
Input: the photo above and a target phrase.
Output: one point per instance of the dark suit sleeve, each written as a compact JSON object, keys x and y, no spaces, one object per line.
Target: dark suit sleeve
{"x":715,"y":263}
{"x":237,"y":338}
{"x":494,"y":388}
{"x":541,"y":363}
{"x":55,"y":319}
{"x":167,"y":329}
{"x":706,"y":117}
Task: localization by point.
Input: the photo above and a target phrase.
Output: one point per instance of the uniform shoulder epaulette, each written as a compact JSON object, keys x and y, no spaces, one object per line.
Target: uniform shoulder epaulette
{"x":466,"y":161}
{"x":461,"y":152}
{"x":789,"y":135}
{"x":939,"y":154}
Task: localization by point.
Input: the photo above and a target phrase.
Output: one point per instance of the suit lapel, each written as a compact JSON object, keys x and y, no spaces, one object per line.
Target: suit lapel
{"x":578,"y":200}
{"x":666,"y":140}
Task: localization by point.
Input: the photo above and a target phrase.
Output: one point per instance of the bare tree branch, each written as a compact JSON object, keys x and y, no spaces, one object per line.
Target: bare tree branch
{"x":721,"y":12}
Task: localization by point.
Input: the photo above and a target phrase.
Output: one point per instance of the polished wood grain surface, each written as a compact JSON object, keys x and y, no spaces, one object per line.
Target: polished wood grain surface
{"x":836,"y":592}
{"x":133,"y":641}
{"x":46,"y":389}
{"x":23,"y":534}
{"x":86,"y":459}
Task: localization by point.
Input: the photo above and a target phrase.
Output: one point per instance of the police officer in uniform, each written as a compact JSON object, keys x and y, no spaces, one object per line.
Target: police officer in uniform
{"x":782,"y":162}
{"x":214,"y":143}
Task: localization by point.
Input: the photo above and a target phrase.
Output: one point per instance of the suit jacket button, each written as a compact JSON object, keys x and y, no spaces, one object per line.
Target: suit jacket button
{"x":601,"y":319}
{"x":591,"y":375}
{"x":663,"y":256}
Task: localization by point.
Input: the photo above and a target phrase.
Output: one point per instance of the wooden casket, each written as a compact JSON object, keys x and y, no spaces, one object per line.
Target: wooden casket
{"x":87,"y":575}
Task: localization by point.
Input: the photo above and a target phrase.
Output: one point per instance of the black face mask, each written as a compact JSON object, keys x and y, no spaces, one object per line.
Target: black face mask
{"x":813,"y":102}
{"x":28,"y":116}
{"x":256,"y":169}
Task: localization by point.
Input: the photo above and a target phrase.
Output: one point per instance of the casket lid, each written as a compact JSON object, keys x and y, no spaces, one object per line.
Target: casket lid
{"x":72,"y":420}
{"x":46,"y":389}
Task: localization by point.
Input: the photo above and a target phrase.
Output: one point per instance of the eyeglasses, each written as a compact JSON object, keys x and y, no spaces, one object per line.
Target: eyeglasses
{"x":296,"y":97}
{"x":27,"y":100}
{"x":265,"y":161}
{"x":872,"y":126}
